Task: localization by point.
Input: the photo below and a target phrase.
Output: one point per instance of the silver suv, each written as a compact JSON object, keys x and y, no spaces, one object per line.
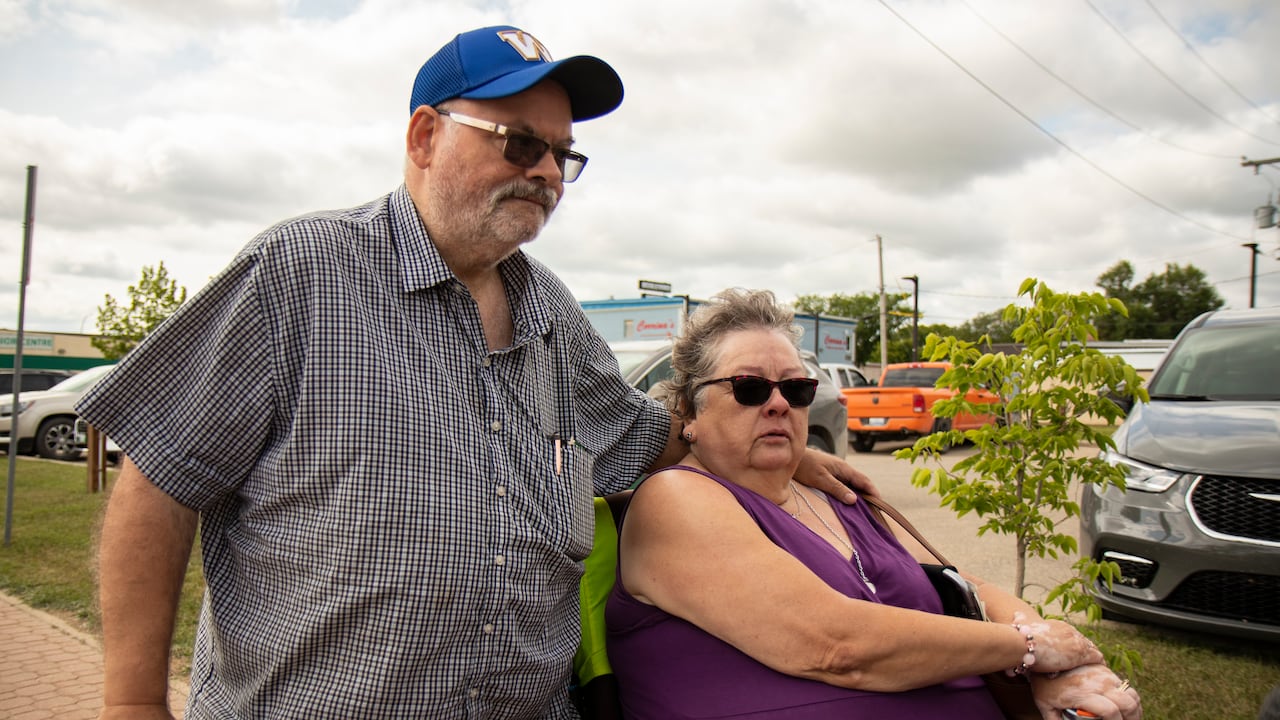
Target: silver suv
{"x":1196,"y":533}
{"x":645,"y":363}
{"x":46,"y":419}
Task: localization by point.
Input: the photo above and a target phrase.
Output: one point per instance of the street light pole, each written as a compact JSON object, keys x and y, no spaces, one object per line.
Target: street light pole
{"x":915,"y":315}
{"x":1253,"y":270}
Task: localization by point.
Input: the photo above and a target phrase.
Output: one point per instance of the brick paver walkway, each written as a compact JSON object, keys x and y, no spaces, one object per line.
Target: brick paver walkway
{"x":48,"y":669}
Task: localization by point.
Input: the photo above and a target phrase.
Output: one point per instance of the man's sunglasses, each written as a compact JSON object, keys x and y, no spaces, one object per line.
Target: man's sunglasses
{"x":753,"y":390}
{"x":525,"y":150}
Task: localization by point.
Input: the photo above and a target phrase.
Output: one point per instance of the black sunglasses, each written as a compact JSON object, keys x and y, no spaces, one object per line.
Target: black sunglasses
{"x":753,"y":390}
{"x":525,"y":150}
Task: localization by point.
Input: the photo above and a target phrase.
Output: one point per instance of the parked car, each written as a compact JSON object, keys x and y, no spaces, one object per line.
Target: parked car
{"x":846,"y":376}
{"x":46,"y":419}
{"x":1196,"y":532}
{"x":645,"y":363}
{"x":33,"y":380}
{"x":900,"y":406}
{"x":82,"y":441}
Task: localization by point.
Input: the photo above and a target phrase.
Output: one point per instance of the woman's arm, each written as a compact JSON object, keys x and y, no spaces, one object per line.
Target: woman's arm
{"x":1001,"y":605}
{"x":691,"y":549}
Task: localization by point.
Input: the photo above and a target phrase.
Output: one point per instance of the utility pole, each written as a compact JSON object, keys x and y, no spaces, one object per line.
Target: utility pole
{"x":28,"y":223}
{"x":884,"y":308}
{"x":1255,"y":164}
{"x":915,"y":316}
{"x":1253,"y":270}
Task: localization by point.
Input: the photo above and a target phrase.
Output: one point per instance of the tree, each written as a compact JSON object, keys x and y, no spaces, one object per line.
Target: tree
{"x":1117,"y":283}
{"x":1160,"y":305}
{"x":1025,"y":466}
{"x":1173,"y":299}
{"x":153,"y":299}
{"x":864,"y":308}
{"x":991,"y":325}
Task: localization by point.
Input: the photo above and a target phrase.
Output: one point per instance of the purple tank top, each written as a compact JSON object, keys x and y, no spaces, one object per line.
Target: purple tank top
{"x":668,"y":668}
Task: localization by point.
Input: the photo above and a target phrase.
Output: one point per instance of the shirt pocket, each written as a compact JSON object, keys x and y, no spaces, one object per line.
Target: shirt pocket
{"x":570,"y":489}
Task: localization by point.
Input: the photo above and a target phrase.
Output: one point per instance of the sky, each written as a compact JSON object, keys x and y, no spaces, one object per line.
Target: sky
{"x":761,"y":143}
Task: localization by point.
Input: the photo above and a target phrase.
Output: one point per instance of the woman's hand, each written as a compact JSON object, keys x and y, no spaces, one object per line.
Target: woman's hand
{"x":833,"y":476}
{"x":1089,"y":687}
{"x":1059,"y":646}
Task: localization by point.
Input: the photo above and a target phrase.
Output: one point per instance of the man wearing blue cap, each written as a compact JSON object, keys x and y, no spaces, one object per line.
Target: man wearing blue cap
{"x":389,"y":423}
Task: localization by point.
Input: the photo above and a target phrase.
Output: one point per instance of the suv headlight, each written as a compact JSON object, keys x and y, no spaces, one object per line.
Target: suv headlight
{"x":1141,"y":476}
{"x":23,"y":406}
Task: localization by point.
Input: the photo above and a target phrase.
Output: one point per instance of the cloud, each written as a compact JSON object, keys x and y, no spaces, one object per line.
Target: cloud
{"x":766,"y":146}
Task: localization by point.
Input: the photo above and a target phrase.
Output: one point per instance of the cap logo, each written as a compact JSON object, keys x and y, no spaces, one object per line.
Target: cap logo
{"x":525,"y":44}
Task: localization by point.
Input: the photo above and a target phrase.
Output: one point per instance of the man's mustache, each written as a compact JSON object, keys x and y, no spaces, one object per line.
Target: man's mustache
{"x":544,"y":196}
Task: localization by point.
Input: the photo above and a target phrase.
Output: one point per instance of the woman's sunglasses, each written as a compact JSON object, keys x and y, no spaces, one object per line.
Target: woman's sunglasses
{"x":525,"y":150}
{"x":753,"y":390}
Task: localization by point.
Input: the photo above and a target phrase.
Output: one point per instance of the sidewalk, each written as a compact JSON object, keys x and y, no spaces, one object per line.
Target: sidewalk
{"x":48,"y":669}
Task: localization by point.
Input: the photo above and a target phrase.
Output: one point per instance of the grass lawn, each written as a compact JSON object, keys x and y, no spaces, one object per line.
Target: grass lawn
{"x":50,"y":560}
{"x":49,"y":565}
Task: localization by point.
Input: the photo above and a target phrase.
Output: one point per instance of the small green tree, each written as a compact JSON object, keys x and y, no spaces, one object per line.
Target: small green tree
{"x":1050,"y":398}
{"x":154,"y":298}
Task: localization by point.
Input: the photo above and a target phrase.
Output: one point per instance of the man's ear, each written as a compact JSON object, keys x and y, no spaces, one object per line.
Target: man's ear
{"x":421,"y":136}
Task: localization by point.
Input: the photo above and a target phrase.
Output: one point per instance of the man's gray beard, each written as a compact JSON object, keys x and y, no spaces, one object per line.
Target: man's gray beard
{"x":488,"y":225}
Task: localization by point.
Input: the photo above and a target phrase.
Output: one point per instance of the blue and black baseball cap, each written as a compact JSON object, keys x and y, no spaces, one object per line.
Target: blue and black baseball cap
{"x":499,"y":61}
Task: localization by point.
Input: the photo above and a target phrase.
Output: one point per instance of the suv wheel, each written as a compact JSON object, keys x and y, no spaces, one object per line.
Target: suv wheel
{"x":818,"y":442}
{"x":863,"y":442}
{"x":56,"y":439}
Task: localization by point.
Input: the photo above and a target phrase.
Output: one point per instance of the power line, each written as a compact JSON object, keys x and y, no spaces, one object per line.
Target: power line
{"x":1170,"y":79}
{"x":1083,"y":96}
{"x":1211,"y":69}
{"x":964,"y":295}
{"x":1246,"y":277}
{"x":1053,"y":137}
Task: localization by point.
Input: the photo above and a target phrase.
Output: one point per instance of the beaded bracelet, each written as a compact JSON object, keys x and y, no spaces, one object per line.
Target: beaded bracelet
{"x":1029,"y":658}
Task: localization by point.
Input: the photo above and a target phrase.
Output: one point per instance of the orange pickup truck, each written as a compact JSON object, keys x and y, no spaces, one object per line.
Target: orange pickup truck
{"x":900,"y":407}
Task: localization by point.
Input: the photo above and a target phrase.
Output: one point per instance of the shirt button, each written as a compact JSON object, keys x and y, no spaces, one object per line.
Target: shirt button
{"x":496,"y":425}
{"x":473,"y":693}
{"x":501,"y":490}
{"x":486,"y":362}
{"x":499,"y":560}
{"x":488,"y":628}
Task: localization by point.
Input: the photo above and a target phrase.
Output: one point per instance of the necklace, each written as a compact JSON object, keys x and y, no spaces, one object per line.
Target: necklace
{"x":857,"y":559}
{"x":795,"y":514}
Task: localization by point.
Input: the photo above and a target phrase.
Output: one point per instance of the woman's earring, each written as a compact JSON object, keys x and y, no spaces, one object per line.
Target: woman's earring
{"x":688,"y":435}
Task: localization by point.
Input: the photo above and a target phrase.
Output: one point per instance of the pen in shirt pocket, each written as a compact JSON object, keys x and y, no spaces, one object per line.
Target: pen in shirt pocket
{"x":560,"y":446}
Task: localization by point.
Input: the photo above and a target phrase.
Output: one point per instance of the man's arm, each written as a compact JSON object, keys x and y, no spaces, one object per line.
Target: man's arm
{"x":817,"y":469}
{"x":834,"y":476}
{"x":675,"y":449}
{"x":142,"y":560}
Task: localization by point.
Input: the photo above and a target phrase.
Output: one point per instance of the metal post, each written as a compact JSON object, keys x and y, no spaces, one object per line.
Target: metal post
{"x":28,"y":218}
{"x":1253,"y":271}
{"x":884,"y":309}
{"x":915,"y":316}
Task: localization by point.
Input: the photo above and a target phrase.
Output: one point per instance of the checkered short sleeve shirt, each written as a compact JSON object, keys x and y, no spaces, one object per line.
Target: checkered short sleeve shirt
{"x":392,"y":516}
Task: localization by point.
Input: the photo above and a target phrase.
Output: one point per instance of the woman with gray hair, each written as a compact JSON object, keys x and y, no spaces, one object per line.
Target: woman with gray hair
{"x":741,"y":594}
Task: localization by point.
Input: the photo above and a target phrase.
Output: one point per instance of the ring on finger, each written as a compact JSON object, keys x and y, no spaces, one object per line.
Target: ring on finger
{"x":1123,"y":686}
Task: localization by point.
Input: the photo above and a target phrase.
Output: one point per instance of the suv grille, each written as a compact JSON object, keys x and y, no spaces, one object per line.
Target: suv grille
{"x":1223,"y":506}
{"x":1237,"y":596}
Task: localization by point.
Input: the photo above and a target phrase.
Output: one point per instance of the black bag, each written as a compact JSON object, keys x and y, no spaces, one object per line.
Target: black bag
{"x":960,"y":599}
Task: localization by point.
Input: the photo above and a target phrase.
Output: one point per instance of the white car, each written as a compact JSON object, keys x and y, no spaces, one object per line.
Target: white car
{"x":46,"y":419}
{"x":845,"y":376}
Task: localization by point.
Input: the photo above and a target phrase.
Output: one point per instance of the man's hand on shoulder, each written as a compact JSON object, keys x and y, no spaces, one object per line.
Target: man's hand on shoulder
{"x":834,"y":476}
